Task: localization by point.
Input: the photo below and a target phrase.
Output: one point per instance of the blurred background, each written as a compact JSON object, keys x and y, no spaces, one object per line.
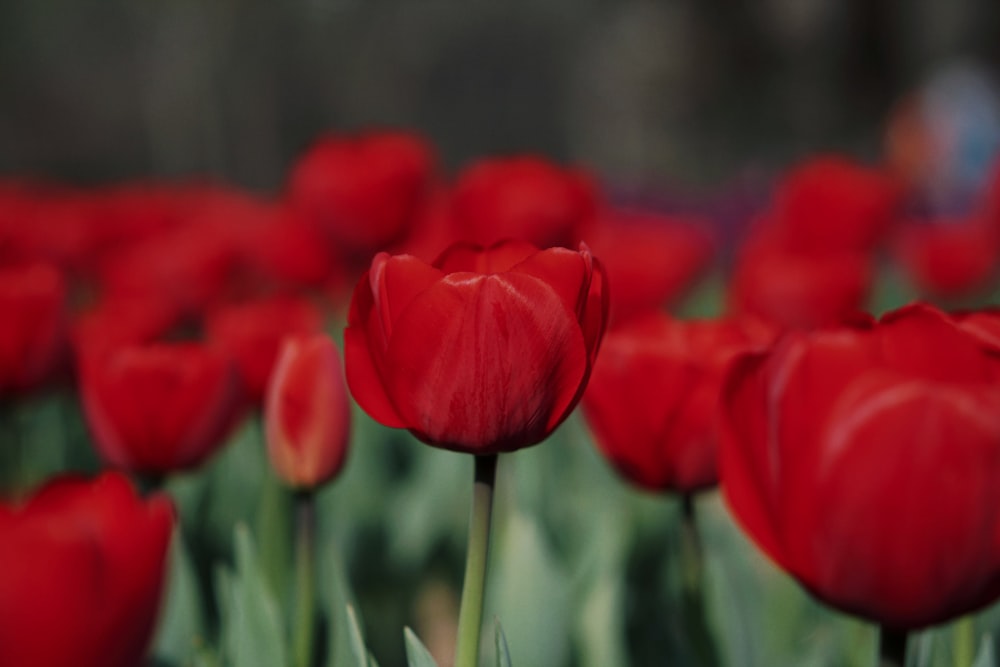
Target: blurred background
{"x":694,"y":91}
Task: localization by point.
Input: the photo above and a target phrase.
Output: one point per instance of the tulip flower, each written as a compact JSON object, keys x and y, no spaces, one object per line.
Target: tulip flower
{"x":651,"y":260}
{"x":798,"y":290}
{"x":653,"y":396}
{"x":865,"y":463}
{"x":33,"y":300}
{"x":485,"y":351}
{"x":307,"y":420}
{"x":159,"y":408}
{"x":525,"y":198}
{"x":252,"y":332}
{"x":363,"y":191}
{"x":831,"y":203}
{"x":82,"y":567}
{"x":950,"y":259}
{"x":307,"y":414}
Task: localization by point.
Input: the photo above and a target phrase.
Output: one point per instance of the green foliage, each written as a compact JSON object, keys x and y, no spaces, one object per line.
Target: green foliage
{"x":252,"y":631}
{"x":417,"y":654}
{"x":502,"y":651}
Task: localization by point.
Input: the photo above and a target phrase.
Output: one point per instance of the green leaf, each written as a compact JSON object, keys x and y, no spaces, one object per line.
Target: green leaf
{"x":530,"y":588}
{"x":182,"y":625}
{"x":503,"y":651}
{"x":417,"y":654}
{"x":345,"y":645}
{"x":357,"y":639}
{"x":986,"y":657}
{"x":253,"y":635}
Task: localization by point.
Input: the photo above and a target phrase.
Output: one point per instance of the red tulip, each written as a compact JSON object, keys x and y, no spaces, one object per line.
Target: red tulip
{"x":653,"y":398}
{"x":950,"y":259}
{"x":866,"y":463}
{"x":32,"y":300}
{"x":82,"y":567}
{"x":307,"y":415}
{"x":798,"y":290}
{"x":118,"y":321}
{"x":525,"y":198}
{"x":485,"y":351}
{"x":252,"y":332}
{"x":831,"y":203}
{"x":651,"y":260}
{"x":364,"y":190}
{"x":159,"y":408}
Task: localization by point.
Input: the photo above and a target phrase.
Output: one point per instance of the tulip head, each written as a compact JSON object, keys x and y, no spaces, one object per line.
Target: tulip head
{"x":307,"y":413}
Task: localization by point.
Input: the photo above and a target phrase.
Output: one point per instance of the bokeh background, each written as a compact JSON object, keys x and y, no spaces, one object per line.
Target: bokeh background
{"x":692,"y":91}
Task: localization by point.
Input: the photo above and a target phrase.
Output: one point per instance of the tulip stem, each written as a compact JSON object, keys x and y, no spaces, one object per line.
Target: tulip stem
{"x":305,"y":536}
{"x":965,"y":641}
{"x":470,"y":617}
{"x":891,"y":647}
{"x":692,"y":573}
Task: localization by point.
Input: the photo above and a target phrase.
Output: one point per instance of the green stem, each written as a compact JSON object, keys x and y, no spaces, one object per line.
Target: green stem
{"x":12,"y":484}
{"x":692,"y":572}
{"x":891,"y":647}
{"x":965,"y":641}
{"x":470,"y":617}
{"x":305,"y":557}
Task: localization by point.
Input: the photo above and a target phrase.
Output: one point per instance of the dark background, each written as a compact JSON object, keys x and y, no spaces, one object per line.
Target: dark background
{"x":687,"y":90}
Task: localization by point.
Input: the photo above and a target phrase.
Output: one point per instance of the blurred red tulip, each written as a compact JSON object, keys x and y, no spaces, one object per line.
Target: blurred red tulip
{"x":82,"y":567}
{"x":866,"y":463}
{"x":651,"y":260}
{"x":252,"y":332}
{"x":485,"y":351}
{"x":362,"y":190}
{"x":950,"y":258}
{"x":33,"y":335}
{"x":653,"y":398}
{"x":114,"y":322}
{"x":798,"y":290}
{"x":289,"y":253}
{"x":524,"y":198}
{"x":831,"y":203}
{"x":307,"y":414}
{"x":159,"y":408}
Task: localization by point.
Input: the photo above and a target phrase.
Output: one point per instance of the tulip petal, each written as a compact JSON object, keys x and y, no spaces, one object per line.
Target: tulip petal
{"x":566,"y":271}
{"x":920,"y":340}
{"x":364,"y":351}
{"x":472,"y":258}
{"x":481,"y":363}
{"x":925,"y":456}
{"x":395,"y":282}
{"x":747,"y":461}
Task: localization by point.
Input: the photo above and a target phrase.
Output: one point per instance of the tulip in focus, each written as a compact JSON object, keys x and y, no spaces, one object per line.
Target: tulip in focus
{"x":307,"y":413}
{"x":487,"y":350}
{"x":652,"y":401}
{"x":159,"y":408}
{"x":866,"y":464}
{"x":33,"y":301}
{"x":82,"y":569}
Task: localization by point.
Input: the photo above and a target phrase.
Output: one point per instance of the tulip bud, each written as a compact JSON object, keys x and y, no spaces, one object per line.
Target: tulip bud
{"x":307,"y":415}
